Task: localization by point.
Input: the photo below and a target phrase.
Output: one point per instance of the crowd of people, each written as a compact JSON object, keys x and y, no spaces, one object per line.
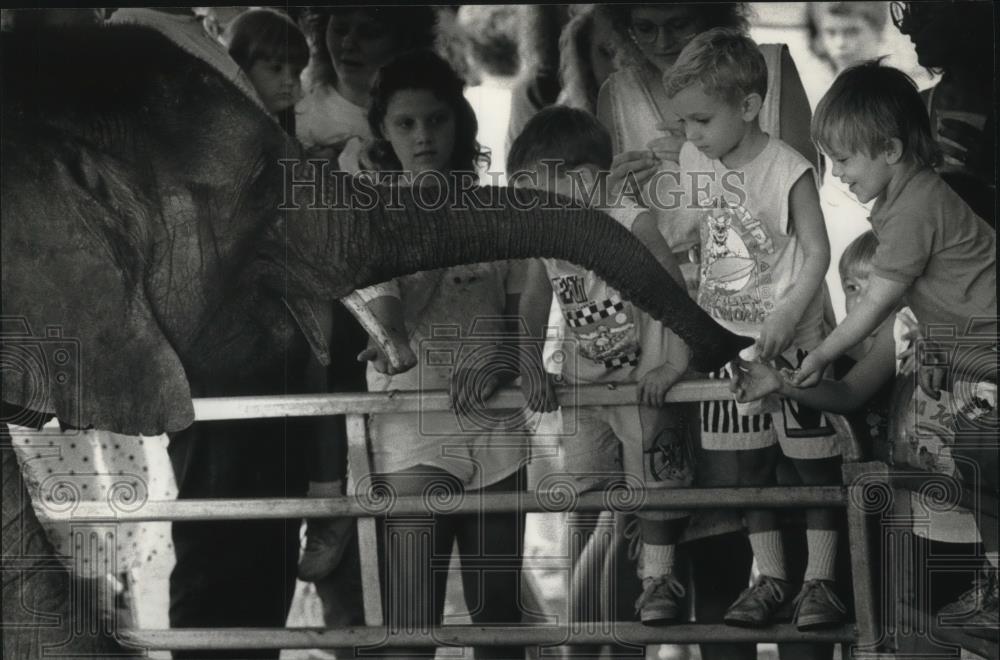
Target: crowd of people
{"x":631,"y":102}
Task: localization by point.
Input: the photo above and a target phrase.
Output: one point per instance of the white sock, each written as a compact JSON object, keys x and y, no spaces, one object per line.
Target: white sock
{"x":822,"y":544}
{"x":769,"y":552}
{"x":991,"y":557}
{"x":657,"y":560}
{"x":326,"y":488}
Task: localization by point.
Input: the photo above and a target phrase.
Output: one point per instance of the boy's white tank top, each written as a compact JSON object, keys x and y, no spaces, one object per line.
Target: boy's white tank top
{"x":636,"y":117}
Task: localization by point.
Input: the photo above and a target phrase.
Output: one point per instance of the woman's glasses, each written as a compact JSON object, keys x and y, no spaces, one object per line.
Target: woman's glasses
{"x":647,"y":32}
{"x":909,"y":14}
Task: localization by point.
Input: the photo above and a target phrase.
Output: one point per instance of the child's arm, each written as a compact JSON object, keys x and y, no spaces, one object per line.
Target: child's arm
{"x":875,"y":305}
{"x":806,"y":221}
{"x":654,"y":385}
{"x":644,"y":228}
{"x":472,"y":387}
{"x":534,"y":305}
{"x":754,"y":380}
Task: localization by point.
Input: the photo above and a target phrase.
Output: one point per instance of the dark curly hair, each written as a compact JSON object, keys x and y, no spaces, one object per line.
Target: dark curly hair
{"x":424,"y":70}
{"x":710,"y":15}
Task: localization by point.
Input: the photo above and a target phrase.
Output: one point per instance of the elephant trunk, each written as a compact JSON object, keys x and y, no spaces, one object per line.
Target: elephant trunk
{"x":409,"y":230}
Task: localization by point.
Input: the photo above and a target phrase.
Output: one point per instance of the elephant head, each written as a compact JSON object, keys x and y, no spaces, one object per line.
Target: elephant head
{"x":150,"y":239}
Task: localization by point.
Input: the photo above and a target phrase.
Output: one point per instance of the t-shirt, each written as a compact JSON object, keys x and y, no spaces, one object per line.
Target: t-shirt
{"x":452,"y":320}
{"x":608,"y":338}
{"x":325,"y":118}
{"x":750,"y":255}
{"x":931,"y":241}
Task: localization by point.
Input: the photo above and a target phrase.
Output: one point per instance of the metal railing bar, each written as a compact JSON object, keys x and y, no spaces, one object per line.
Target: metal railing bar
{"x":306,"y":405}
{"x":377,"y":636}
{"x":470,"y":502}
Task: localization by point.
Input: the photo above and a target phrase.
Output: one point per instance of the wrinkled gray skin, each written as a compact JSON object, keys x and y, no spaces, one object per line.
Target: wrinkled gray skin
{"x":140,"y":223}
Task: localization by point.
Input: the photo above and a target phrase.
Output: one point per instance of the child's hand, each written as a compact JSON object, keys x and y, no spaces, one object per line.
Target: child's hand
{"x":375,"y":355}
{"x":539,"y":391}
{"x":776,"y":335}
{"x":641,"y":165}
{"x":470,"y":389}
{"x":754,"y":380}
{"x":809,"y":373}
{"x":654,"y":385}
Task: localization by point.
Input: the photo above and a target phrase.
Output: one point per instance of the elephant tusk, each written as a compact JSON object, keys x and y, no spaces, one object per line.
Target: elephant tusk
{"x":356,"y":305}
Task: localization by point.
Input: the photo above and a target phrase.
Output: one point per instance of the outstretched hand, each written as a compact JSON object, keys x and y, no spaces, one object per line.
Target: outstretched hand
{"x":810,"y":371}
{"x":754,"y":380}
{"x":373,"y":354}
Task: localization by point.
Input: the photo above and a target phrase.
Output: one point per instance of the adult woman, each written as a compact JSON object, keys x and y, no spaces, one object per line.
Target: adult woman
{"x":350,"y":44}
{"x":956,"y":38}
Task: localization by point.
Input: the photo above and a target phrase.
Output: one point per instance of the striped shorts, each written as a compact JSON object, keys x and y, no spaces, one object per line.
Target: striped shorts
{"x":802,"y":432}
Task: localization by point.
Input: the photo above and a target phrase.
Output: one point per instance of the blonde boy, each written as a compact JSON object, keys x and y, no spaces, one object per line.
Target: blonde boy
{"x":764,"y":253}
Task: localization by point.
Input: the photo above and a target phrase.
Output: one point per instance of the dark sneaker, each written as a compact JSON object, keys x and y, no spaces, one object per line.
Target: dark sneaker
{"x":984,"y":621}
{"x":817,"y":606}
{"x":326,"y":541}
{"x":658,"y":604}
{"x":968,"y":603}
{"x":756,"y":605}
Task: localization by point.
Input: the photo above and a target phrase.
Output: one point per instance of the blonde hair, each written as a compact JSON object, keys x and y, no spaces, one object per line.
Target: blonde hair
{"x":726,"y":61}
{"x":859,"y":254}
{"x":868,"y":105}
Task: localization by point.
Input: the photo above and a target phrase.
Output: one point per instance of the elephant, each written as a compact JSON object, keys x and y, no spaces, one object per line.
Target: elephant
{"x":157,"y":234}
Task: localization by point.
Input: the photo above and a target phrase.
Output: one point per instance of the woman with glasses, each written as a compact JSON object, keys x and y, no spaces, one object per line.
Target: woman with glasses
{"x":955,"y":39}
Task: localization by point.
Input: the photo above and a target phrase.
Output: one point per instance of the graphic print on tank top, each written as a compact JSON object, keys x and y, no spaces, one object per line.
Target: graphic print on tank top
{"x":736,"y":280}
{"x":604,"y":329}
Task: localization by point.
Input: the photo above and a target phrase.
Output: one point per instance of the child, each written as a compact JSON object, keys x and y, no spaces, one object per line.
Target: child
{"x":272,"y":51}
{"x":845,"y":33}
{"x":867,"y":387}
{"x":764,"y":253}
{"x":422,"y":123}
{"x":934,"y":253}
{"x":613,"y":342}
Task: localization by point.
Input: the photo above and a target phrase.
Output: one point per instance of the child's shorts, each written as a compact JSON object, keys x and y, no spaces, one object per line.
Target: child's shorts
{"x":802,"y":432}
{"x":649,"y":445}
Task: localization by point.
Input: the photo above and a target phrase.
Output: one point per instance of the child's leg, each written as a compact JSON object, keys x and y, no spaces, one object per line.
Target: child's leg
{"x":745,"y":441}
{"x":491,"y":548}
{"x":591,"y":457}
{"x":414,"y":553}
{"x":976,"y":455}
{"x":656,"y":447}
{"x":812,"y":446}
{"x":822,"y":525}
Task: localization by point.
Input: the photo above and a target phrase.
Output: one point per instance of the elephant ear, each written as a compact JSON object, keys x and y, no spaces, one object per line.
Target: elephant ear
{"x":80,"y":339}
